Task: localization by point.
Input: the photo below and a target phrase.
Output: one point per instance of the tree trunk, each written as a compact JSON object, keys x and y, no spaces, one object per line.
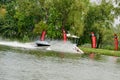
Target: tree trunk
{"x":99,"y":42}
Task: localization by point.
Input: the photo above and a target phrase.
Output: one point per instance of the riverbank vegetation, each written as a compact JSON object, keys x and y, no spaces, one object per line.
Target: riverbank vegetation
{"x":25,"y":19}
{"x":101,"y":51}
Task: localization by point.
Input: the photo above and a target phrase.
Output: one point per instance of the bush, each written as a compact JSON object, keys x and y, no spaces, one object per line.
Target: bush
{"x":26,"y":38}
{"x":88,"y":45}
{"x":109,"y":47}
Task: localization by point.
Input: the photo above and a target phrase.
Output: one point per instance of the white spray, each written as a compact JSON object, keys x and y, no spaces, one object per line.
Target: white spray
{"x":59,"y":46}
{"x":62,"y":46}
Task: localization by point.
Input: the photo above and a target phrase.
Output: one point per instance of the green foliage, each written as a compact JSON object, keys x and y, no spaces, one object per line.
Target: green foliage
{"x":77,"y":16}
{"x":25,"y":38}
{"x":40,"y":27}
{"x":2,"y":12}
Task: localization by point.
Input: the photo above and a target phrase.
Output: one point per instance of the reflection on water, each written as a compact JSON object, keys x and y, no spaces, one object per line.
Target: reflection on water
{"x":17,"y":66}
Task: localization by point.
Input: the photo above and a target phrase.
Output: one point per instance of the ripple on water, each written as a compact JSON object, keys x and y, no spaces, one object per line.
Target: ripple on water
{"x":17,"y":66}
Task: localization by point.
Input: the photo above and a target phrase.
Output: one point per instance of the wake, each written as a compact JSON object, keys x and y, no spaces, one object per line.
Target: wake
{"x":58,"y":46}
{"x":18,"y":44}
{"x":61,"y":46}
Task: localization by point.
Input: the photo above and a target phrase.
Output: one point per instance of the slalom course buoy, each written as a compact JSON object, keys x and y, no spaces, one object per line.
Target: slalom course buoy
{"x":64,"y":35}
{"x":93,"y":40}
{"x":116,"y":42}
{"x":42,"y":38}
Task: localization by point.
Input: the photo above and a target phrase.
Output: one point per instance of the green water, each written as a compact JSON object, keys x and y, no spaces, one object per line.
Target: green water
{"x":19,"y":65}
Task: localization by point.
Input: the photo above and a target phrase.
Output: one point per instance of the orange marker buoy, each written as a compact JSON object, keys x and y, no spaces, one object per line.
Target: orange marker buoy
{"x":64,"y":35}
{"x":42,"y":38}
{"x":116,"y":42}
{"x":93,"y":40}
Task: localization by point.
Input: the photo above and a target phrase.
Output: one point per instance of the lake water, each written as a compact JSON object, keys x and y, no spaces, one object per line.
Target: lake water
{"x":17,"y":66}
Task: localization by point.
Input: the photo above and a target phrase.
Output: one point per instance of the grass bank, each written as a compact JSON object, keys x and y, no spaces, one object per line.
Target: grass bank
{"x":101,"y":51}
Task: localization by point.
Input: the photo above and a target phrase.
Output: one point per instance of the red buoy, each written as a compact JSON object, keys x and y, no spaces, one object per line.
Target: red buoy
{"x":42,"y":38}
{"x":116,"y":41}
{"x":64,"y":35}
{"x":93,"y":40}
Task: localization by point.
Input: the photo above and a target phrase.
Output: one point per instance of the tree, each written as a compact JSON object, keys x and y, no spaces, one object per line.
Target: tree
{"x":7,"y":27}
{"x":99,"y":19}
{"x":40,"y":27}
{"x":58,"y":17}
{"x":67,"y":14}
{"x":77,"y":15}
{"x":117,"y":30}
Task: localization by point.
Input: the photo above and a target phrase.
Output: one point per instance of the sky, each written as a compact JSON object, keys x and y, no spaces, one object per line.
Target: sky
{"x":95,"y":1}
